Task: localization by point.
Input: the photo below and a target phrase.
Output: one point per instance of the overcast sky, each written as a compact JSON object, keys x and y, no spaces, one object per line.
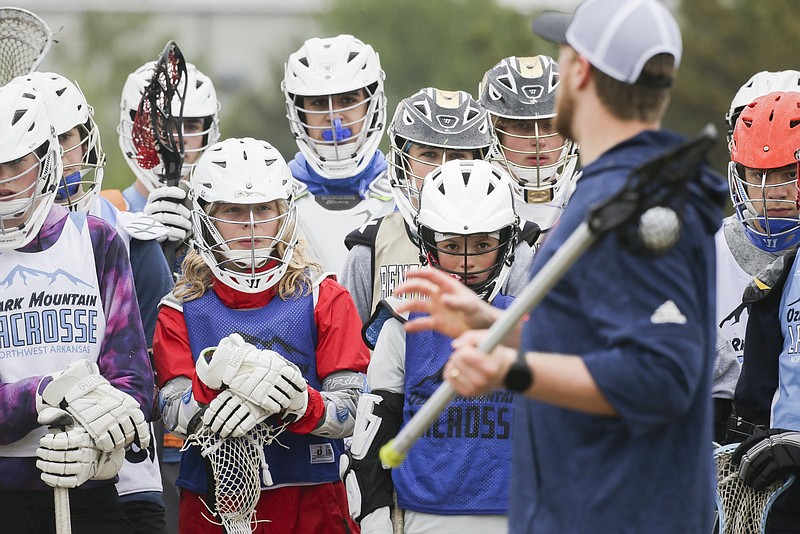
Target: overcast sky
{"x":234,"y":5}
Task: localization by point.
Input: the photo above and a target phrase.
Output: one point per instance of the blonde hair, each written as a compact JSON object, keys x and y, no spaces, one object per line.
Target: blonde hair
{"x":196,"y":276}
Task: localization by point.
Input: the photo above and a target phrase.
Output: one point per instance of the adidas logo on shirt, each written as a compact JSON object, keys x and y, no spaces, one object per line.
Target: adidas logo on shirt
{"x":668,"y":313}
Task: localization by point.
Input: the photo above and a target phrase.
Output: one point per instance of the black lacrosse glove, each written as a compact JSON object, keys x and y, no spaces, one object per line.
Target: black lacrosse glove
{"x":767,"y":456}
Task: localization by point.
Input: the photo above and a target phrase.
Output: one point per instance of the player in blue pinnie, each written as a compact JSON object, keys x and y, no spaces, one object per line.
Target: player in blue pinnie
{"x":457,"y":479}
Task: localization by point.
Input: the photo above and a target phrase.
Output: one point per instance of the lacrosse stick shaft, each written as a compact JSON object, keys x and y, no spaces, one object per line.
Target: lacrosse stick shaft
{"x":396,"y":515}
{"x":61,"y":495}
{"x":395,"y":451}
{"x":63,"y":520}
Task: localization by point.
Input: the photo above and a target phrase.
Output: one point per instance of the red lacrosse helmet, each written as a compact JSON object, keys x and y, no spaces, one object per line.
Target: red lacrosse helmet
{"x":767,"y":135}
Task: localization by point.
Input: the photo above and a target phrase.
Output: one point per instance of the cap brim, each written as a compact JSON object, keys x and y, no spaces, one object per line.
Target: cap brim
{"x":552,"y":26}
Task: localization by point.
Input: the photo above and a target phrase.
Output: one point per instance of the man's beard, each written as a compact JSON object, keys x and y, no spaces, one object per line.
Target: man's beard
{"x":565,"y":111}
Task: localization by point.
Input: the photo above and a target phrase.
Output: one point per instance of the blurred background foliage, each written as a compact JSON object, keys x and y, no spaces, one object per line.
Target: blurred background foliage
{"x":447,"y":44}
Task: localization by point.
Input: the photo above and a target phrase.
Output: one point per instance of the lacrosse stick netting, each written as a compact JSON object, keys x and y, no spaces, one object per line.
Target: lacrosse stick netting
{"x":24,"y":41}
{"x":238,"y":466}
{"x":740,"y":508}
{"x":156,"y":129}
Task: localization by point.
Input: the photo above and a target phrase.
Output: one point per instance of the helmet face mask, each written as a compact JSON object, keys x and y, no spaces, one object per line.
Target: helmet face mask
{"x":429,"y":128}
{"x":196,"y":134}
{"x":770,"y":217}
{"x":533,"y":153}
{"x":467,"y":224}
{"x":20,"y":186}
{"x":79,"y":137}
{"x":471,"y":258}
{"x":762,"y":174}
{"x":337,"y":127}
{"x":418,"y":161}
{"x":335,"y":103}
{"x":247,"y":239}
{"x":520,"y":96}
{"x":201,"y":104}
{"x":30,"y":163}
{"x":84,"y":161}
{"x":244,"y":216}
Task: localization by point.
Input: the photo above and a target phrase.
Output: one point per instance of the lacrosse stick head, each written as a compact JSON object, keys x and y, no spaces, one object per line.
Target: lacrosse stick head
{"x":25,"y":40}
{"x":646,"y":213}
{"x":157,"y":131}
{"x":238,"y":472}
{"x":740,"y":508}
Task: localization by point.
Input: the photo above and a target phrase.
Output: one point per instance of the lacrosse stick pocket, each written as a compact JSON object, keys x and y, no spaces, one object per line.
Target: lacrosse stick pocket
{"x":237,"y":468}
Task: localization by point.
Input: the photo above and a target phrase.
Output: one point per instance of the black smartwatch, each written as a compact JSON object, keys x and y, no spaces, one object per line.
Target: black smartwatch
{"x":520,"y":375}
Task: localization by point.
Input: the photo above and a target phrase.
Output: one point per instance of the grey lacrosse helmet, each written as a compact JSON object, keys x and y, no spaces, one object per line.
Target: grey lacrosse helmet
{"x":432,"y":118}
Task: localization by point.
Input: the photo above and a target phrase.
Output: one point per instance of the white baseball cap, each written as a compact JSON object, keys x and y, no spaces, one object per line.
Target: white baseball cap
{"x":617,"y":36}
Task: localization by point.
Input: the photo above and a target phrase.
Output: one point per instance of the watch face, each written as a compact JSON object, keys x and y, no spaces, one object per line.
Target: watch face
{"x":520,"y":376}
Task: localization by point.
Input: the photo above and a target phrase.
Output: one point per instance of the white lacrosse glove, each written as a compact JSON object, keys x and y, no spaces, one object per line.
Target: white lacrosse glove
{"x":263,"y":377}
{"x":167,"y":206}
{"x":230,"y":415}
{"x":69,"y":458}
{"x":111,"y":417}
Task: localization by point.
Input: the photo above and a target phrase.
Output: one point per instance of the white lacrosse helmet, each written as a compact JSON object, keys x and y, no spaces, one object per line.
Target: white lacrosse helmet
{"x":68,"y":109}
{"x":246,"y":172}
{"x":328,"y":67}
{"x":25,"y":128}
{"x":760,"y":84}
{"x":524,"y":89}
{"x":201,"y":103}
{"x":431,"y":117}
{"x":462,"y":198}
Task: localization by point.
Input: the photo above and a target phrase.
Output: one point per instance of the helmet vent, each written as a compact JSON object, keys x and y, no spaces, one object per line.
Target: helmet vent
{"x":28,"y":96}
{"x":269,"y":162}
{"x":465,"y":176}
{"x":303,"y":61}
{"x":793,"y":123}
{"x":60,"y":92}
{"x":506,"y":80}
{"x":352,"y":56}
{"x":221,"y":164}
{"x":17,"y":116}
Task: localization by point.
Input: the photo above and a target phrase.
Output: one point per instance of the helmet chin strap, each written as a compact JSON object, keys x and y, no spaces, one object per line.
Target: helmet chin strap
{"x":15,"y":209}
{"x":248,"y":259}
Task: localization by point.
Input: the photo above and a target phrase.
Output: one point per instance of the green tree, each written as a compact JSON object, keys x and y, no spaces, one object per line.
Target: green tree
{"x":260,"y":112}
{"x":724,"y":43}
{"x":100,"y":61}
{"x":448,"y":44}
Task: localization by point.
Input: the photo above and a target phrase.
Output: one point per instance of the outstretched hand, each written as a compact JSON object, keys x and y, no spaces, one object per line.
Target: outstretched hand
{"x":451,"y":307}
